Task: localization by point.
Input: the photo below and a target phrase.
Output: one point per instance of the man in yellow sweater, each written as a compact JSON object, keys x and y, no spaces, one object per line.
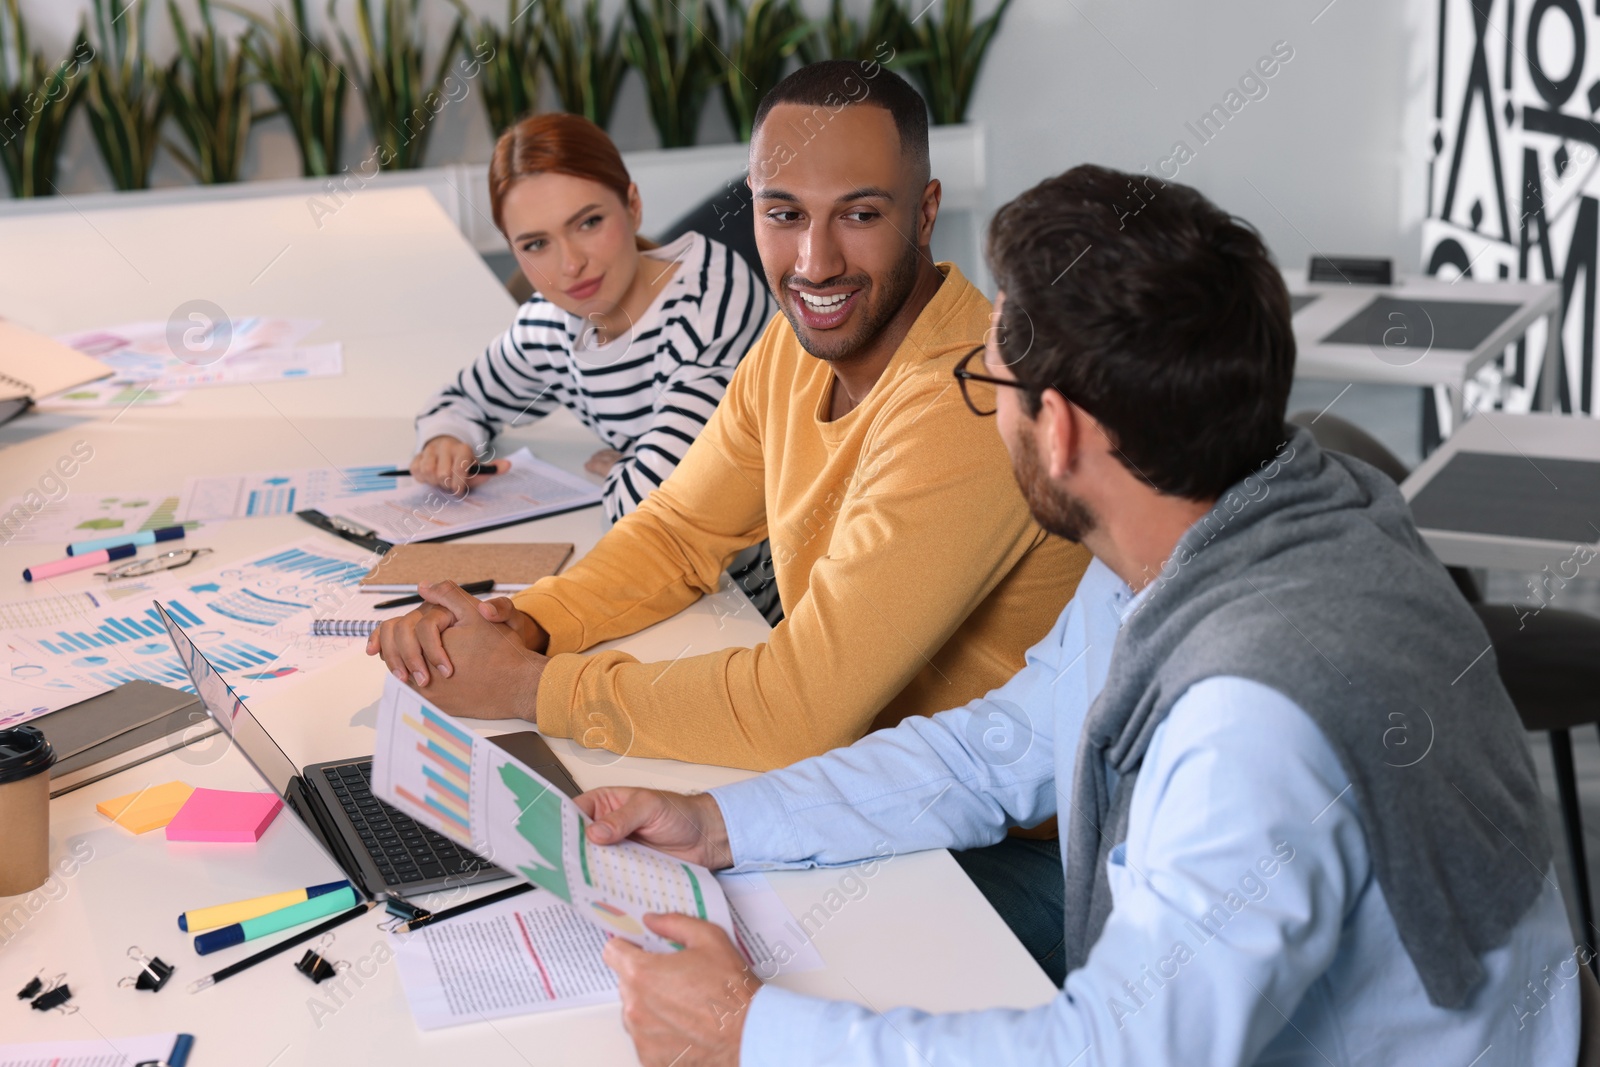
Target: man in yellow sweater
{"x":912,"y":576}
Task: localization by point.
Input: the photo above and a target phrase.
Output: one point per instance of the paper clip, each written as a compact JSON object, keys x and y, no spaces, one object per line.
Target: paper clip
{"x":152,"y":976}
{"x":317,"y":967}
{"x":56,"y":997}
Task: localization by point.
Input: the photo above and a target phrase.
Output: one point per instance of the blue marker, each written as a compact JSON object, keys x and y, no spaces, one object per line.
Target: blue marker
{"x":143,"y":537}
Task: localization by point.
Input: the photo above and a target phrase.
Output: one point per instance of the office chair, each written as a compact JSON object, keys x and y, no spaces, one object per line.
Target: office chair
{"x":1549,"y":659}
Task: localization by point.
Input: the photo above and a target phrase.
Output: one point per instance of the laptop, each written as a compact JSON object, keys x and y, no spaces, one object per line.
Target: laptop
{"x":381,"y":850}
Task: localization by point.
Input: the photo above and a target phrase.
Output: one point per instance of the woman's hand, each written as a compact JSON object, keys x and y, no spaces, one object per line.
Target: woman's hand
{"x":444,"y":461}
{"x":601,"y":462}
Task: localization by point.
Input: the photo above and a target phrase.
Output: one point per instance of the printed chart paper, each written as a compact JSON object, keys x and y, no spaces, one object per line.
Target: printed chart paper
{"x":249,"y":496}
{"x":251,"y":620}
{"x":446,"y":777}
{"x":32,"y":519}
{"x":204,"y":352}
{"x":414,"y":512}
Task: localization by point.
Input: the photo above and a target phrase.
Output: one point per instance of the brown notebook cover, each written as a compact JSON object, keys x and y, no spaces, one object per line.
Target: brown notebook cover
{"x":508,"y":564}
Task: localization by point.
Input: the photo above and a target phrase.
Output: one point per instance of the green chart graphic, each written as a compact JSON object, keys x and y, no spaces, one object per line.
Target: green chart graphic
{"x":540,"y":826}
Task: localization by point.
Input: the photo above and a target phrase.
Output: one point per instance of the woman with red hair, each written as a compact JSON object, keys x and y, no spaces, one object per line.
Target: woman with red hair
{"x":638,"y":340}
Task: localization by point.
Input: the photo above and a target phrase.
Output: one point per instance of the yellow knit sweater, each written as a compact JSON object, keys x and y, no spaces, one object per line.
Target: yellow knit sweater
{"x":913,"y":578}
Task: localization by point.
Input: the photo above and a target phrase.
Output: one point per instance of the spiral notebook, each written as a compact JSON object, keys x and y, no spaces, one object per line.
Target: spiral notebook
{"x":33,"y":366}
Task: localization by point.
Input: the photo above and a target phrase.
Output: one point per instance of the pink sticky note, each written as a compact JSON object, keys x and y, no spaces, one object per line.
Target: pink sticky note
{"x":222,"y":815}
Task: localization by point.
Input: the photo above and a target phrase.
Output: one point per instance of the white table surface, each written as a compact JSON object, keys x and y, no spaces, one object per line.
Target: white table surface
{"x":1412,"y":360}
{"x":1530,"y":436}
{"x":392,"y":278}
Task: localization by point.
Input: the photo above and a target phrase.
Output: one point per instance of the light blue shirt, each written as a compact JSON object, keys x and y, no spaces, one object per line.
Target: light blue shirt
{"x":1247,"y":926}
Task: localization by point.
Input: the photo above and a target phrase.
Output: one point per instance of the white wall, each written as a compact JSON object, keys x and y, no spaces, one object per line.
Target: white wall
{"x":1318,"y":163}
{"x":1323,"y":161}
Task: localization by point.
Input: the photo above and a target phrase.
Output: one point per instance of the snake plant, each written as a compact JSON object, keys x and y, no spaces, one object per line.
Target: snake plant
{"x":307,"y":85}
{"x":950,"y":55}
{"x":401,"y":100}
{"x":673,"y":44}
{"x":585,"y":60}
{"x":36,"y":101}
{"x":510,"y":57}
{"x":762,"y":37}
{"x":208,"y":95}
{"x":124,"y":98}
{"x":881,"y":37}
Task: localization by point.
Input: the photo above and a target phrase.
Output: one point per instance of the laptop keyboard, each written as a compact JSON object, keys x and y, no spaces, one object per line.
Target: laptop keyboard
{"x":404,"y":850}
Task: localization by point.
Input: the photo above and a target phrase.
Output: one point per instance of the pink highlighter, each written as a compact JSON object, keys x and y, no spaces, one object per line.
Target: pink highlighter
{"x":77,"y":563}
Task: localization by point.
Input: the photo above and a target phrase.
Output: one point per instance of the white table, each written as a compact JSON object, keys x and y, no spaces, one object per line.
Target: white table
{"x":1408,"y":358}
{"x":392,"y":279}
{"x":1529,"y":437}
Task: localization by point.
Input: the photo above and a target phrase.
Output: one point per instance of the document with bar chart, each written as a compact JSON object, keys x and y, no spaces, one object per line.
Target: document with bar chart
{"x":250,"y":496}
{"x":250,"y":619}
{"x":447,"y":777}
{"x":411,"y":511}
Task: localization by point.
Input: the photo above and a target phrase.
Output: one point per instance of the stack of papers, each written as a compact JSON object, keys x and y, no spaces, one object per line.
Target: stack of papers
{"x":153,"y":361}
{"x":250,"y":619}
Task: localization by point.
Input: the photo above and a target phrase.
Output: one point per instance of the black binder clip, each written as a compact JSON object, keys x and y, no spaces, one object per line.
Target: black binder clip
{"x":403,"y":911}
{"x":152,"y":976}
{"x":55,"y":997}
{"x":314,"y":965}
{"x":31,"y":990}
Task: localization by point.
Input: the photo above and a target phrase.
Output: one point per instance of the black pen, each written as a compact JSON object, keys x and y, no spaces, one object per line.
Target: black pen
{"x":485,"y":586}
{"x":267,"y":953}
{"x":471,"y":905}
{"x":475,"y":469}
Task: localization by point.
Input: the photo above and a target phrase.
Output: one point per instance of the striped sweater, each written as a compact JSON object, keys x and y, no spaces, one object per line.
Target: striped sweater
{"x":647,"y":393}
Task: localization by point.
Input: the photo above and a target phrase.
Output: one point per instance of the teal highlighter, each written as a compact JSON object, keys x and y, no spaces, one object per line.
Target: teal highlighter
{"x":274,"y":921}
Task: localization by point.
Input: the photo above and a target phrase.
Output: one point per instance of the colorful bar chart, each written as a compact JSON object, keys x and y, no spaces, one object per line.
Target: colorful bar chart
{"x":446,"y":767}
{"x":273,"y":501}
{"x":116,"y":631}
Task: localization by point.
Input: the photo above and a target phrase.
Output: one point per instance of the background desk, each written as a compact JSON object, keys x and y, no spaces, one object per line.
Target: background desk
{"x":1411,"y":357}
{"x":392,"y":278}
{"x":1528,"y":438}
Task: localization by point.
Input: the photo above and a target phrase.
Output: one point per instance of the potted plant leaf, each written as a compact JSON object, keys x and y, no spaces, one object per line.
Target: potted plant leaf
{"x":306,"y":84}
{"x":950,"y":53}
{"x":840,"y":36}
{"x":208,"y":95}
{"x":124,"y":98}
{"x":401,"y":100}
{"x":510,"y":62}
{"x":38,"y":100}
{"x":585,"y":60}
{"x":762,"y":37}
{"x":673,"y":45}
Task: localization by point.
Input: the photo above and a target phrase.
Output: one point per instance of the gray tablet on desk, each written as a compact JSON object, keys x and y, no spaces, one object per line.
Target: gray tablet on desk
{"x":1454,"y":324}
{"x":1536,"y":497}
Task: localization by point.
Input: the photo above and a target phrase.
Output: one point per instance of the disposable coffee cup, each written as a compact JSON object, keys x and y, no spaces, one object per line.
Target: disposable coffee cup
{"x":25,"y":762}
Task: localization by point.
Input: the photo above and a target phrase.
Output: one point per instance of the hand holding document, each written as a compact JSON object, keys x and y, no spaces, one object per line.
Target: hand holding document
{"x":446,"y":777}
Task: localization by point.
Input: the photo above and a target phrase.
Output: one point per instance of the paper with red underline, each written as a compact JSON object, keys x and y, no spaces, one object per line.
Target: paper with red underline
{"x":448,"y":778}
{"x":533,"y":954}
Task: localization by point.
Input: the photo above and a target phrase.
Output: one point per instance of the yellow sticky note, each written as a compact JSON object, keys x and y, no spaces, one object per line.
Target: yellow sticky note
{"x":149,"y":809}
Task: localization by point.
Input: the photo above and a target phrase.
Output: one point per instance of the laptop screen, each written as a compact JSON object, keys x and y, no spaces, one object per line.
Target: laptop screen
{"x":225,"y":706}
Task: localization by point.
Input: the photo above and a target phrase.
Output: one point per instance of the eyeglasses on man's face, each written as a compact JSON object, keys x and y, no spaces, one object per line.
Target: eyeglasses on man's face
{"x":966,"y":377}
